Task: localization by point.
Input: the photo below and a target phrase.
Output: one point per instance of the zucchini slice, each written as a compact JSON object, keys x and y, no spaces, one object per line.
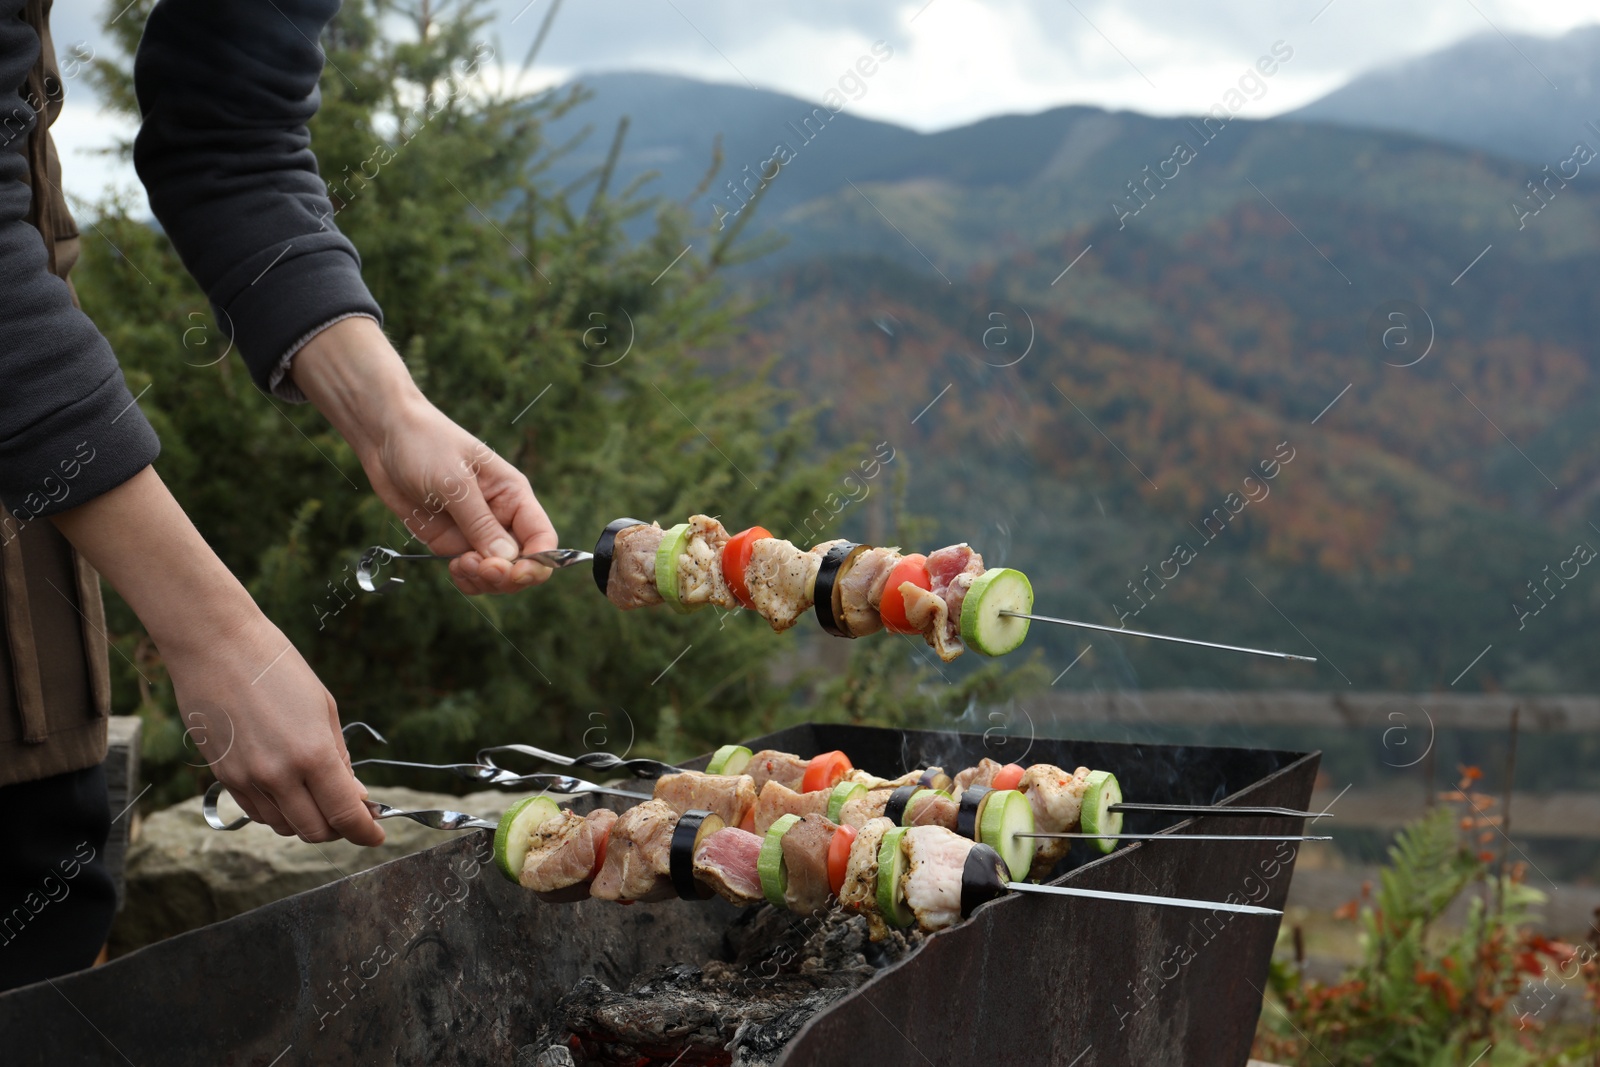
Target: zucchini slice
{"x":969,"y":817}
{"x":692,"y":829}
{"x":983,"y":877}
{"x":1007,"y":813}
{"x":605,"y":548}
{"x":771,"y":868}
{"x":842,"y":794}
{"x":729,"y":759}
{"x":1098,"y":818}
{"x":982,"y":625}
{"x":828,"y":593}
{"x":515,"y":833}
{"x":891,"y":879}
{"x":674,"y":543}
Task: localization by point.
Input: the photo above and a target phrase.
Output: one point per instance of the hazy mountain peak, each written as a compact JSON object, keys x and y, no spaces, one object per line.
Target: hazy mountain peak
{"x":1521,"y":96}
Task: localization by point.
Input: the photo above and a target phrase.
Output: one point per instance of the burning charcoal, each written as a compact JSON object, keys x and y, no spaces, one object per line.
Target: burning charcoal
{"x":739,"y":1012}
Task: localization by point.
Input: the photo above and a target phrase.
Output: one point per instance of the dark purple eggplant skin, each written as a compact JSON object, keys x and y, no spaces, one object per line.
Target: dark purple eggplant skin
{"x":967,"y":817}
{"x":681,"y":856}
{"x":895,"y":810}
{"x":983,"y":878}
{"x":834,"y":562}
{"x":604,"y":547}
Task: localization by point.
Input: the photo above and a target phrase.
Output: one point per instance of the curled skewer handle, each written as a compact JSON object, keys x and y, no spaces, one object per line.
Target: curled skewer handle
{"x":486,"y":755}
{"x":208,"y":808}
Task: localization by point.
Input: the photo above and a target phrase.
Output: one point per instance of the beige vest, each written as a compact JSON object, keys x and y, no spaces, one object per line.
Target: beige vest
{"x":55,"y":681}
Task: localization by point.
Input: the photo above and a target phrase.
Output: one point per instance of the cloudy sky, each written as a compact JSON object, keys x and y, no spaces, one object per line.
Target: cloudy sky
{"x":954,"y":60}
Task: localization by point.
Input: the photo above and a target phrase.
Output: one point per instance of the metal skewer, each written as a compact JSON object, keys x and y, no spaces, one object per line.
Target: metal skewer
{"x":598,"y":761}
{"x":378,"y":555}
{"x":1212,"y":809}
{"x":561,"y":783}
{"x":1140,"y":898}
{"x":437,"y":819}
{"x":1171,"y":837}
{"x":1159,"y":637}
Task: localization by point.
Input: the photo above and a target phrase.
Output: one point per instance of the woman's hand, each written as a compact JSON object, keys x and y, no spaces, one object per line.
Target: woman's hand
{"x":255,"y":710}
{"x":270,"y":731}
{"x":450,"y":489}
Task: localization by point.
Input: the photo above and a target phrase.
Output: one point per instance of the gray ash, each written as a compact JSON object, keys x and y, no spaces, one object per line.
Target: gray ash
{"x":739,"y":1011}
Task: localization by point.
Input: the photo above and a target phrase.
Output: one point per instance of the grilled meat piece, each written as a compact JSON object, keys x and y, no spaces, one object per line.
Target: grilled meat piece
{"x":932,"y":810}
{"x":563,"y":850}
{"x":929,"y":613}
{"x":777,"y":800}
{"x":861,"y":590}
{"x":770,"y":765}
{"x":861,"y":810}
{"x":860,"y":890}
{"x":982,"y":774}
{"x":700,"y":578}
{"x":933,"y":880}
{"x":727,"y":863}
{"x":805,"y":854}
{"x":952,"y":570}
{"x":936,"y":612}
{"x":633,"y":567}
{"x":872,"y":781}
{"x":728,"y":796}
{"x":1057,"y":800}
{"x":638,"y":854}
{"x":781,"y":579}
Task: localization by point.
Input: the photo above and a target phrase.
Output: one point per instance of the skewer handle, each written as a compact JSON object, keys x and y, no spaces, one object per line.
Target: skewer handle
{"x":1141,"y":898}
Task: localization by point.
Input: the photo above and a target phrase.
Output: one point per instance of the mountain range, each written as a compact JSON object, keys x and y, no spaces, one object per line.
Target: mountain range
{"x":1088,"y":334}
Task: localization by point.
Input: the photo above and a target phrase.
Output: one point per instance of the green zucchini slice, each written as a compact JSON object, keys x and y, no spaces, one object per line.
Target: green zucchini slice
{"x":891,"y":879}
{"x":515,"y":833}
{"x":982,"y":626}
{"x":1098,"y":818}
{"x":1007,"y":813}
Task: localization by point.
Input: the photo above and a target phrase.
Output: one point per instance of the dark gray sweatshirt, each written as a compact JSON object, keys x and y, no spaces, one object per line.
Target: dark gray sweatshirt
{"x":226,"y":88}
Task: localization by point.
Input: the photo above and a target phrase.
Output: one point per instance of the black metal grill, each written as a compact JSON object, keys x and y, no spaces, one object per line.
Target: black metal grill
{"x":435,"y":959}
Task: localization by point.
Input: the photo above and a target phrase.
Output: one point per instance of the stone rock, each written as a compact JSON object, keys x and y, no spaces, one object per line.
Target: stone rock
{"x":181,"y":874}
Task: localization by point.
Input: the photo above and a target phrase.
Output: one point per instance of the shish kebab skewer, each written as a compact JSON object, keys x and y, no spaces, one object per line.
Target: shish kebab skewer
{"x":732,"y":759}
{"x":948,"y":596}
{"x":490,"y":773}
{"x":928,"y":876}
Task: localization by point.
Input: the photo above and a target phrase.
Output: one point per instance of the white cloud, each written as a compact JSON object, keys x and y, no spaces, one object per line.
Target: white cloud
{"x":959,"y":60}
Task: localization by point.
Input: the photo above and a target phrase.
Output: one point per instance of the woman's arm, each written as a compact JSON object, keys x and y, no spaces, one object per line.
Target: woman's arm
{"x":257,"y":712}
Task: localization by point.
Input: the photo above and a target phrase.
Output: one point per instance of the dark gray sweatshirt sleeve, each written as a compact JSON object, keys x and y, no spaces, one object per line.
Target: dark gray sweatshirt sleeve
{"x":69,"y":429}
{"x":226,"y":88}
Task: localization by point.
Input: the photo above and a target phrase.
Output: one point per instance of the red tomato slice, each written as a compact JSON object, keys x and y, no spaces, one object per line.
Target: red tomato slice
{"x":824,"y":771}
{"x":736,"y":560}
{"x":748,"y":823}
{"x":1008,"y":777}
{"x":600,"y":853}
{"x":839,"y":856}
{"x":913,"y":569}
